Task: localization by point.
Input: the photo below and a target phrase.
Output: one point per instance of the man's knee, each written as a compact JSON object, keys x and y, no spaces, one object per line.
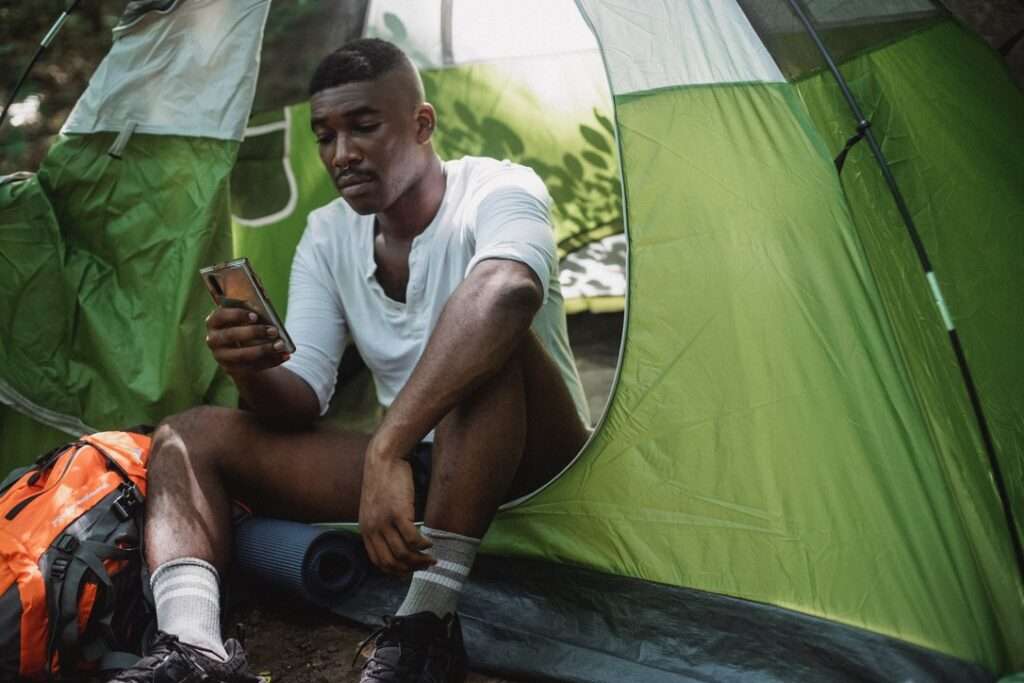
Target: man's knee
{"x":192,"y":438}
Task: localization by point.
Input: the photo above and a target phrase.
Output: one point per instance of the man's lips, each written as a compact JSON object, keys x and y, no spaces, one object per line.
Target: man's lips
{"x":351,"y":180}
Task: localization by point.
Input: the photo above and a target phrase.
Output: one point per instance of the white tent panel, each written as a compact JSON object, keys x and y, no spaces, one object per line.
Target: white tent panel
{"x":413,"y":26}
{"x":479,"y":31}
{"x":156,"y":76}
{"x":488,"y":31}
{"x":649,"y":44}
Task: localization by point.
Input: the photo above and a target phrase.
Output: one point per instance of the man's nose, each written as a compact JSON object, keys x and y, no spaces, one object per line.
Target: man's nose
{"x":345,"y":153}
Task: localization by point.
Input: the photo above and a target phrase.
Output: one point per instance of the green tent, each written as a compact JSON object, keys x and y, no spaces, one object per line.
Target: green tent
{"x":793,"y":479}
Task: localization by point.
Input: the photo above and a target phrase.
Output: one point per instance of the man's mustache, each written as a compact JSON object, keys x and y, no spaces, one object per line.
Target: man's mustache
{"x":347,"y":178}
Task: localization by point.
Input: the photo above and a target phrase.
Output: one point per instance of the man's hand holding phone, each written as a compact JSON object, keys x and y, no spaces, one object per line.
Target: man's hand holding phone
{"x":244,"y":332}
{"x":241,"y":343}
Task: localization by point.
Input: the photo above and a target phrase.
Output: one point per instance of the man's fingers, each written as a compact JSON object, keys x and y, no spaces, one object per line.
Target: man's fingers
{"x":370,"y":550}
{"x":249,"y":359}
{"x":413,"y":544}
{"x":387,"y":560}
{"x":230,"y":317}
{"x":243,"y":335}
{"x":412,"y":536}
{"x":403,"y":559}
{"x":246,"y":355}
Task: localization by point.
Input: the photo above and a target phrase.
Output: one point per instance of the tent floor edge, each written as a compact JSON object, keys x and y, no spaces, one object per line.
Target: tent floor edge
{"x":524,"y":617}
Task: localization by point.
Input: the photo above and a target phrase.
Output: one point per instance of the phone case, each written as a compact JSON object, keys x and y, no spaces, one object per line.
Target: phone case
{"x":234,"y":284}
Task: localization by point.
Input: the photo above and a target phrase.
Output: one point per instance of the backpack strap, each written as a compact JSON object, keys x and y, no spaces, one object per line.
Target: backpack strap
{"x":14,"y":476}
{"x":73,"y":559}
{"x":43,"y":462}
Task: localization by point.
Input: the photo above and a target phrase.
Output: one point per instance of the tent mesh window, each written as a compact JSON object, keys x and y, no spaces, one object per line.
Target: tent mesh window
{"x":847,"y":28}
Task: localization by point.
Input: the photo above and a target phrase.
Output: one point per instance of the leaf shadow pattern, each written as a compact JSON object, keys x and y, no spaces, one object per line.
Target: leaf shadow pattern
{"x":581,"y":174}
{"x":586,"y":187}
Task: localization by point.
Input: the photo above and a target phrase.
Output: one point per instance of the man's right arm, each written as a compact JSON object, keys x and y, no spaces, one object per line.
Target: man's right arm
{"x":251,"y":354}
{"x":280,"y":395}
{"x":290,"y":393}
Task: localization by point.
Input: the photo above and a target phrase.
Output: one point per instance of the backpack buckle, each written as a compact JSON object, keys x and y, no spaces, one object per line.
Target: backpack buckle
{"x":66,"y":543}
{"x":126,"y":504}
{"x":59,"y":568}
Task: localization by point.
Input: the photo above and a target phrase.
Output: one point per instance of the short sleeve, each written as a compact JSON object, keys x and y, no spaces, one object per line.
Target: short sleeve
{"x":513,"y":222}
{"x":316,"y":320}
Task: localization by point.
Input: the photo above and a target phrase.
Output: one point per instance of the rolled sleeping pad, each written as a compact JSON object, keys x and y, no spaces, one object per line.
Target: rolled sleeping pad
{"x":322,"y":565}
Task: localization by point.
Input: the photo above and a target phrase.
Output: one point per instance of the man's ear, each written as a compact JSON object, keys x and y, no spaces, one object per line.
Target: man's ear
{"x":426,"y":120}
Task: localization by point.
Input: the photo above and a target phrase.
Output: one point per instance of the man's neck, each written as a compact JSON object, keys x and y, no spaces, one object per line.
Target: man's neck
{"x":413,"y":211}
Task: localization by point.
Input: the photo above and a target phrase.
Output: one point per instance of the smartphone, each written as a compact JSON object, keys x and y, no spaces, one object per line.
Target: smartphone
{"x":234,"y":284}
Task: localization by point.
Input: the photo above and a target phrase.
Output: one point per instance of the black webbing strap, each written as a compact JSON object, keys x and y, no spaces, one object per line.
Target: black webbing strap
{"x":862,"y":130}
{"x":42,"y":463}
{"x":14,"y":476}
{"x":66,"y":572}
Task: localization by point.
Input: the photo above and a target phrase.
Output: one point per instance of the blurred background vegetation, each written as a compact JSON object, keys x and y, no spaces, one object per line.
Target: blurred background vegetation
{"x":64,"y":69}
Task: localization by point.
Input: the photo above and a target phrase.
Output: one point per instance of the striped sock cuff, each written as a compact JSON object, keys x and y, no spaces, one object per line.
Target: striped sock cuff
{"x":437,"y":589}
{"x":183,"y":562}
{"x":187,"y":596}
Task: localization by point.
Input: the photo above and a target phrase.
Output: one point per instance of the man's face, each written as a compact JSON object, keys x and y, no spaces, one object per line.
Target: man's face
{"x":369,"y":136}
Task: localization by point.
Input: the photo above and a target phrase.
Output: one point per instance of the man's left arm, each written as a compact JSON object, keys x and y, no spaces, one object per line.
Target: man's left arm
{"x":483,"y":322}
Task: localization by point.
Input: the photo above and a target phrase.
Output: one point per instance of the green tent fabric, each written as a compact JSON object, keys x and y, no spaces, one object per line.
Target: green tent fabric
{"x":952,"y":157}
{"x":789,"y":429}
{"x":105,"y":329}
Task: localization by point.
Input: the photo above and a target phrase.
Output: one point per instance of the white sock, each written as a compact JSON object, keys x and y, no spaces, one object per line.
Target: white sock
{"x":187,"y":595}
{"x":438,"y":589}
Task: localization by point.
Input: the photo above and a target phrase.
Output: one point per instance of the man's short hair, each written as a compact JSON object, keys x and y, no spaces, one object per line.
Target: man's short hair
{"x":363,"y":59}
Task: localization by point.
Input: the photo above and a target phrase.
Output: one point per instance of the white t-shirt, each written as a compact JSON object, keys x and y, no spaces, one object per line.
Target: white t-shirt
{"x":490,"y":209}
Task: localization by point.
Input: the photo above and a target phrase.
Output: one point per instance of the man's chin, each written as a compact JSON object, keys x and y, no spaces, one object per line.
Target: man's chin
{"x":361,"y":208}
{"x":362,"y":205}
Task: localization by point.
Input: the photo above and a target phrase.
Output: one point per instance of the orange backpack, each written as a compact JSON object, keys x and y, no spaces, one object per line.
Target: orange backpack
{"x":72,"y":581}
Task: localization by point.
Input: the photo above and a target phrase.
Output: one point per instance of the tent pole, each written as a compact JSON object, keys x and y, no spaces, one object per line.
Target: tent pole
{"x":864,"y":127}
{"x":447,"y":54}
{"x":43,"y":44}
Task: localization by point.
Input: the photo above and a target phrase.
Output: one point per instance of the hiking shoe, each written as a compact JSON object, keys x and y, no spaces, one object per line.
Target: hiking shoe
{"x":418,"y":648}
{"x":171,"y":661}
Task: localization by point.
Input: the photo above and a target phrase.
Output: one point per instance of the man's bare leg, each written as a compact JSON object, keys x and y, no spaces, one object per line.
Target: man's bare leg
{"x":516,"y":432}
{"x":203,"y":458}
{"x":513,"y":434}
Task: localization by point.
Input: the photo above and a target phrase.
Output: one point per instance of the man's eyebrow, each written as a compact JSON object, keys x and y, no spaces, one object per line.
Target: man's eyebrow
{"x":350,"y":114}
{"x":360,"y":111}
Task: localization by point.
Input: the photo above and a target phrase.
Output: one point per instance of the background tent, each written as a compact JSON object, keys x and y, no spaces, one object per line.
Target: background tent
{"x":789,"y":479}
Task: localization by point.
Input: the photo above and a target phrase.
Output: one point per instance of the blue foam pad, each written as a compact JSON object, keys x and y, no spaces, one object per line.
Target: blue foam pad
{"x":322,"y":565}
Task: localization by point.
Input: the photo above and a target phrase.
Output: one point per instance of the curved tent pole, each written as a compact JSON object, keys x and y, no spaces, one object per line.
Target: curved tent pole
{"x":447,"y":54}
{"x":43,"y":44}
{"x":864,"y":131}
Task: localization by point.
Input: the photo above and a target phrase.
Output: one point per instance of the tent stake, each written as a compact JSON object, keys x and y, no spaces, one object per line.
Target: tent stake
{"x":864,"y":126}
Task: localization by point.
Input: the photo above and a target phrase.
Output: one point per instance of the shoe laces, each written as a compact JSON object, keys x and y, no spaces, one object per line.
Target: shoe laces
{"x":384,"y":635}
{"x":380,"y":630}
{"x":162,"y":647}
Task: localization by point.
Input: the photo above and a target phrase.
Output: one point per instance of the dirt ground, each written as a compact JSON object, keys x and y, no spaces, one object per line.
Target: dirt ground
{"x":292,"y":642}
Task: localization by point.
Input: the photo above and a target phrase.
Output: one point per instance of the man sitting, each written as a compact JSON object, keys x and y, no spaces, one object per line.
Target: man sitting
{"x":444,"y":275}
